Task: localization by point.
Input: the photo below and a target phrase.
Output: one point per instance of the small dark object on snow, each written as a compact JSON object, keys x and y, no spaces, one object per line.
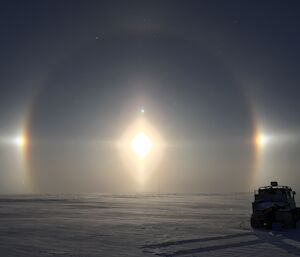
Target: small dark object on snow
{"x":274,"y":204}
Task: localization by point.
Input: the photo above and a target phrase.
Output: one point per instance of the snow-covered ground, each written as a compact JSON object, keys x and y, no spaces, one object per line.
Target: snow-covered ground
{"x":137,"y":225}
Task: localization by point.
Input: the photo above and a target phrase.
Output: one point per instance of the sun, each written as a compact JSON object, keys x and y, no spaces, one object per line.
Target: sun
{"x":141,"y":145}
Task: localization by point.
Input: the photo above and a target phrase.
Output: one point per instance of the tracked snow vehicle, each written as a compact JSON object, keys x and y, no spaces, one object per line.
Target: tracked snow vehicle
{"x":274,"y":204}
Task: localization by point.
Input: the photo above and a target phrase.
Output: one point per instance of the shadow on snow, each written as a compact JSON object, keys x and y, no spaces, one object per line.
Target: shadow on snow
{"x":287,"y":240}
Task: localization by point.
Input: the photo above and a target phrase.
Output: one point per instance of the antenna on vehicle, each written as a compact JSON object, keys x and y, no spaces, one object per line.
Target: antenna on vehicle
{"x":274,"y":183}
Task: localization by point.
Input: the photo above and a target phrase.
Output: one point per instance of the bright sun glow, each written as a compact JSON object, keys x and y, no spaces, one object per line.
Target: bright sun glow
{"x":141,"y":145}
{"x":141,"y":148}
{"x":261,"y":140}
{"x":20,"y":141}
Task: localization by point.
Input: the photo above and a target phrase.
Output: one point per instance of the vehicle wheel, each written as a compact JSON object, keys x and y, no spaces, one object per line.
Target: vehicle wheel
{"x":289,"y":221}
{"x":256,"y":222}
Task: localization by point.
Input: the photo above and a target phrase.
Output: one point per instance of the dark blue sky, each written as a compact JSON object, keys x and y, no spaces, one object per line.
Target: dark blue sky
{"x":210,"y":74}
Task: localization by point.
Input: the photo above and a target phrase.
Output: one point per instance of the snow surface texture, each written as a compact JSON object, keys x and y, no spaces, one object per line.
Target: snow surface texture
{"x":137,"y":225}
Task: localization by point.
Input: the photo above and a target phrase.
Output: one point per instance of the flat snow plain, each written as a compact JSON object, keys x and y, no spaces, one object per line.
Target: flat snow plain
{"x":137,"y":225}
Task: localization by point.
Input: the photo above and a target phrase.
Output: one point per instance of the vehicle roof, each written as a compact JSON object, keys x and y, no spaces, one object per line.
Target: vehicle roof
{"x":275,"y":187}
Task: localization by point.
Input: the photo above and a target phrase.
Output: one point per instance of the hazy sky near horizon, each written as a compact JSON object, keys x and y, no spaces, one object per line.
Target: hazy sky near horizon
{"x":210,"y":75}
